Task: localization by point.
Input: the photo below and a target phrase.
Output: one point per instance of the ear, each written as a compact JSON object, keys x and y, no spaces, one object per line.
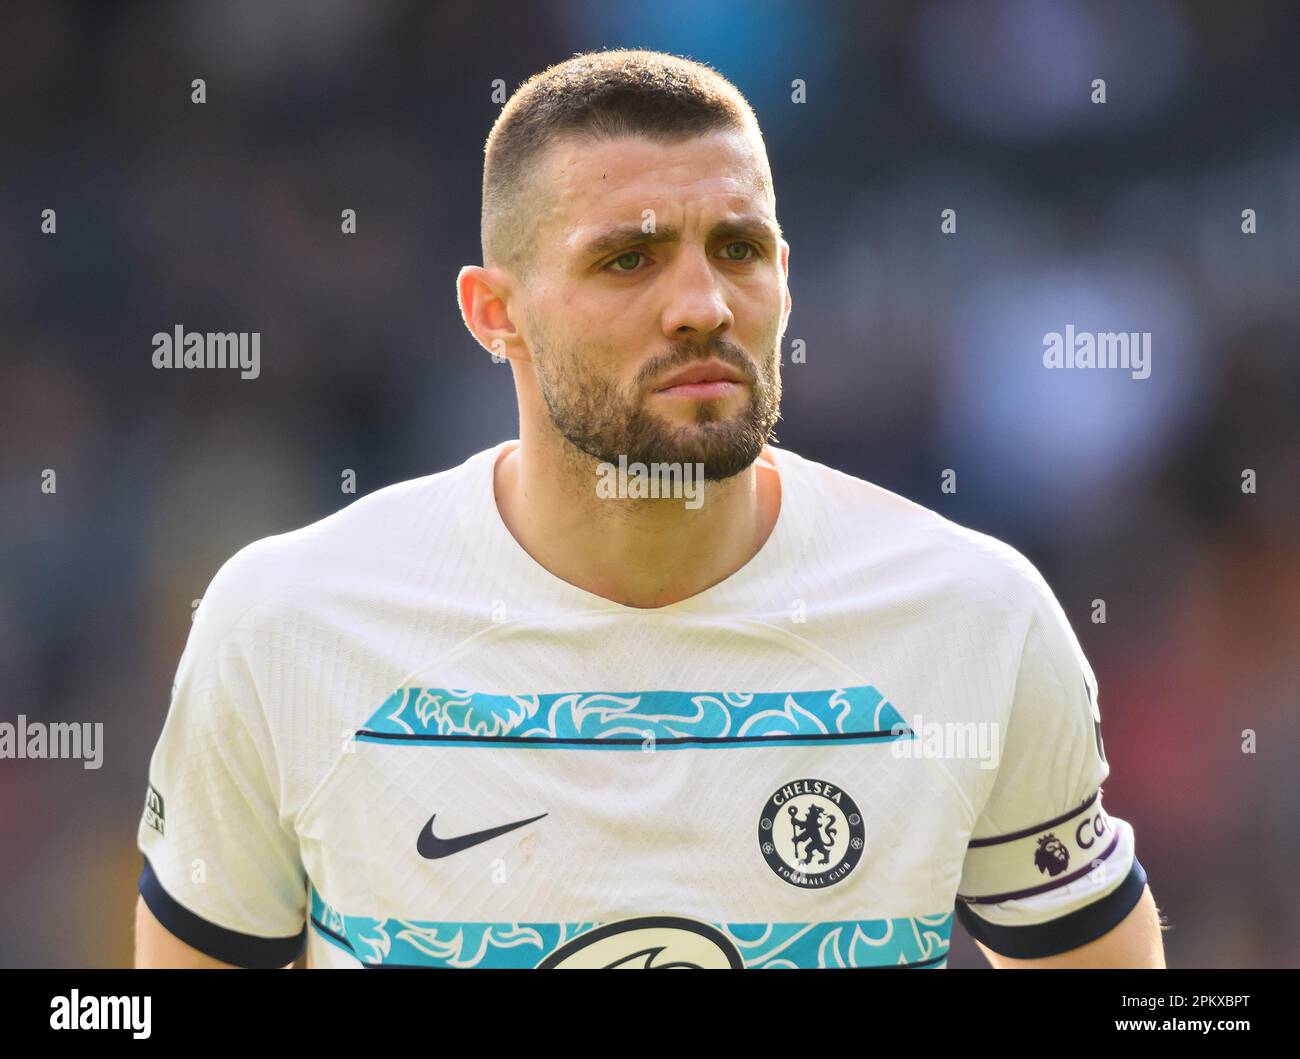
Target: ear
{"x":785,"y":271}
{"x":484,"y":296}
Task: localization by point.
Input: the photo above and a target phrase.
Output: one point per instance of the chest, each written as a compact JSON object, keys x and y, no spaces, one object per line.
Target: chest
{"x":768,"y":826}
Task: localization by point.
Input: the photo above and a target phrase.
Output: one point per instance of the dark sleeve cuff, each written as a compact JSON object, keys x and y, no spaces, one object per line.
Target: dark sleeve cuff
{"x":229,"y":946}
{"x":1059,"y":935}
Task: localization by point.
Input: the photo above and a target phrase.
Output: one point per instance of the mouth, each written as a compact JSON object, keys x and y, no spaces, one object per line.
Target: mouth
{"x":708,"y":381}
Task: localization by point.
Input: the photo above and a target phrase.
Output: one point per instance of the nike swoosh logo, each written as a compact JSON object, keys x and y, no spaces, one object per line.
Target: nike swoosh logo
{"x":431,"y":847}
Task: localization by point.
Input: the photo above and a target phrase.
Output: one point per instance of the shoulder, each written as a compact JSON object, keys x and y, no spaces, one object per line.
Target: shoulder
{"x":356,"y":546}
{"x":905,"y":540}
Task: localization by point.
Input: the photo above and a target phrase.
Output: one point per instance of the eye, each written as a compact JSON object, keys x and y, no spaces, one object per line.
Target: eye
{"x":743,"y":244}
{"x":628,"y":257}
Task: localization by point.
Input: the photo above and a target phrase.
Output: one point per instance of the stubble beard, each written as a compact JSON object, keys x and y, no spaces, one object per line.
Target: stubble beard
{"x":598,"y":418}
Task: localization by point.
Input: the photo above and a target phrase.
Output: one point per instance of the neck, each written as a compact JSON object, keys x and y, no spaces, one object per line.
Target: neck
{"x":638,"y":552}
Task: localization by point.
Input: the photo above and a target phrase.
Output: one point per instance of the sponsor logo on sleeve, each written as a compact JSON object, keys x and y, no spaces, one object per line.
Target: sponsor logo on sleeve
{"x":1035,"y":860}
{"x":153,"y":809}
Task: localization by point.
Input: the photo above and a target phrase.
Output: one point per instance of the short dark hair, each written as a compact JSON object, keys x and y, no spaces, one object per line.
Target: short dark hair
{"x":595,"y":96}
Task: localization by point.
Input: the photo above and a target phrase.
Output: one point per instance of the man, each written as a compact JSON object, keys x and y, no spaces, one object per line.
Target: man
{"x":636,"y":689}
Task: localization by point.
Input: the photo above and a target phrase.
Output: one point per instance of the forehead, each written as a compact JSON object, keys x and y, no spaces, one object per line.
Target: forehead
{"x":594,"y":183}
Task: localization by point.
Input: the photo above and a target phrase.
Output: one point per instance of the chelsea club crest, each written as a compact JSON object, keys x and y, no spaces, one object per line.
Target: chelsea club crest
{"x":811,"y":833}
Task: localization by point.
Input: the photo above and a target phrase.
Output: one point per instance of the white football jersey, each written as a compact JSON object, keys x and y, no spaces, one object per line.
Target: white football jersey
{"x":396,"y":737}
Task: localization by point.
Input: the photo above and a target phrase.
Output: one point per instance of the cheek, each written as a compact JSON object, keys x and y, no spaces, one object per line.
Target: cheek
{"x":760,"y":298}
{"x":590,"y":355}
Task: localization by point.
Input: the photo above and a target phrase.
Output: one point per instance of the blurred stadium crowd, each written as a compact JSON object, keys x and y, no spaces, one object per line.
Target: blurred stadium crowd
{"x":923,"y":353}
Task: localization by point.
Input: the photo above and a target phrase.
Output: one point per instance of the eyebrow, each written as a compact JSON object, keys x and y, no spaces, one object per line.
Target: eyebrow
{"x":751,"y":226}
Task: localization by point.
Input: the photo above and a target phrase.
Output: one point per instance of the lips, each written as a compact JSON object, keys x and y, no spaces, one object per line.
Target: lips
{"x":713,"y":371}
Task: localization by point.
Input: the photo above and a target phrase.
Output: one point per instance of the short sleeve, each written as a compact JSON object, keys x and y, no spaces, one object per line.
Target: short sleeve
{"x":221,"y":867}
{"x":1047,"y":869}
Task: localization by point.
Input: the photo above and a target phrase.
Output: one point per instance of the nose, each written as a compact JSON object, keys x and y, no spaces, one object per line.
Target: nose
{"x":696,"y":299}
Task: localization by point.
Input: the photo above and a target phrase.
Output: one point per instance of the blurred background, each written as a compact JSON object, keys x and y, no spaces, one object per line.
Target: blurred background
{"x":923,"y":353}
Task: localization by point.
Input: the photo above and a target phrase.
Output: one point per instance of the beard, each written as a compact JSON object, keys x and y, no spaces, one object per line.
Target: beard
{"x":598,"y":417}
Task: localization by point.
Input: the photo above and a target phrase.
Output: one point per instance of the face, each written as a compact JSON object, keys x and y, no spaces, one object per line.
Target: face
{"x":654,"y":259}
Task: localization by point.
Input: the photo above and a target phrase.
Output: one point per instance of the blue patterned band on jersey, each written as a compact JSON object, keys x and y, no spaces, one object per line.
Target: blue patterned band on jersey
{"x":664,"y":720}
{"x":640,"y":942}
